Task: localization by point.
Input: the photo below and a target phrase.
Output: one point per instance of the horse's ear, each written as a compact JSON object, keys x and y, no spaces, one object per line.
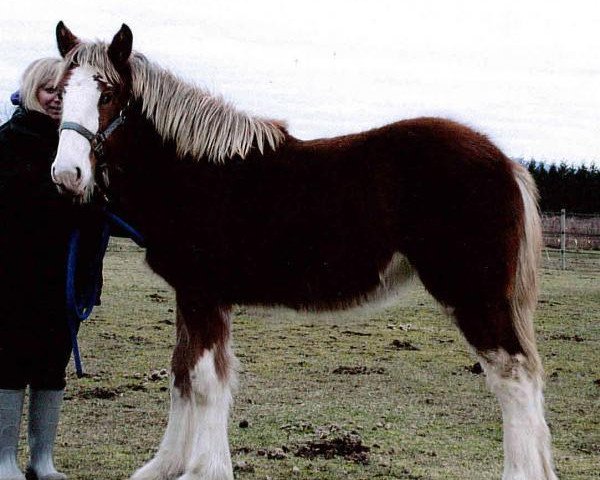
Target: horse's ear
{"x":120,"y":47}
{"x":65,"y":39}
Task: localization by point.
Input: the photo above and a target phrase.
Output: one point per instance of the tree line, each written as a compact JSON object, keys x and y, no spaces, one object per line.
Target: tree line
{"x":576,"y":189}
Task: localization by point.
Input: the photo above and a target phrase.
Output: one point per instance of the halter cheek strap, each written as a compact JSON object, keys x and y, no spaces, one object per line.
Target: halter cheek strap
{"x":96,"y":140}
{"x":79,"y":129}
{"x":97,"y":143}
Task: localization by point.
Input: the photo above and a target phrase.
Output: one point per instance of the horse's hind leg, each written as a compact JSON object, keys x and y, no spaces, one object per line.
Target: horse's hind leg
{"x":527,"y":451}
{"x":195,"y":444}
{"x":514,"y":375}
{"x":495,"y":314}
{"x":486,"y":273}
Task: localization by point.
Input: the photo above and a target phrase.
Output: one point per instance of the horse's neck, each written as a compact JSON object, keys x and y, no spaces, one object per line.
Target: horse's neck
{"x":143,"y":165}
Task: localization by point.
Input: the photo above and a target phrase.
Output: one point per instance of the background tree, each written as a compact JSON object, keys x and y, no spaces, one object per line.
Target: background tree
{"x":577,"y":189}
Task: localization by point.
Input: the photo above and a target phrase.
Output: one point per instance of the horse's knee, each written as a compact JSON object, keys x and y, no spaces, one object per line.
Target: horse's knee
{"x":212,"y":376}
{"x":202,"y":358}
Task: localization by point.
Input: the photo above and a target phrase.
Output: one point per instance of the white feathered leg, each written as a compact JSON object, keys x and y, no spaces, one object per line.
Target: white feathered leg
{"x":195,"y":445}
{"x":210,"y":458}
{"x":527,"y":452}
{"x":177,"y":442}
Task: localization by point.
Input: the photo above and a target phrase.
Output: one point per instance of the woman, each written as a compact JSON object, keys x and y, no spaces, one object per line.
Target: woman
{"x":35,"y":225}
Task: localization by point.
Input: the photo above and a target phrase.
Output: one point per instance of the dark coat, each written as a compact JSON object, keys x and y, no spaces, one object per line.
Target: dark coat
{"x":35,"y":222}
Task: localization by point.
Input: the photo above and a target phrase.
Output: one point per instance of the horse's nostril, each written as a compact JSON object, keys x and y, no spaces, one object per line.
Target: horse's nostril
{"x":78,"y":170}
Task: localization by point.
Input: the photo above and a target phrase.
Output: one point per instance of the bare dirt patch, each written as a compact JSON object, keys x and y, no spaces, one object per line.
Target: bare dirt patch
{"x":404,"y":345}
{"x":344,"y":444}
{"x":358,"y":370}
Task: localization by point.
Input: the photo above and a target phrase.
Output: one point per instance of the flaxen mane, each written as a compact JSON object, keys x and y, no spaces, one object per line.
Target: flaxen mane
{"x":200,"y":124}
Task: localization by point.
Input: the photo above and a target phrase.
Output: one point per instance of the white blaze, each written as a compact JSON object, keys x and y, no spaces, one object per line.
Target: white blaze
{"x":72,"y":167}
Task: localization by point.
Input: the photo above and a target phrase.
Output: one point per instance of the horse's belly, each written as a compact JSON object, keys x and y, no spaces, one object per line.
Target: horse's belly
{"x":326,"y":286}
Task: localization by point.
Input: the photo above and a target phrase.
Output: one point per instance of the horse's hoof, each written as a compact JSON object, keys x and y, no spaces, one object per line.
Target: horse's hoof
{"x":156,"y":470}
{"x":211,"y":476}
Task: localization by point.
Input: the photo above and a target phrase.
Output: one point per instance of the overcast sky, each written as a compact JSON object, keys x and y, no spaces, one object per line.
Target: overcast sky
{"x":524,"y":72}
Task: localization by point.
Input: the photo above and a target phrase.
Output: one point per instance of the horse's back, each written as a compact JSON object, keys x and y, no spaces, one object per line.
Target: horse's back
{"x":412,"y":178}
{"x":318,"y":222}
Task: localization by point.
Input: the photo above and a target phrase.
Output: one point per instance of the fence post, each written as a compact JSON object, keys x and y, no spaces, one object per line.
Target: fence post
{"x":563,"y":238}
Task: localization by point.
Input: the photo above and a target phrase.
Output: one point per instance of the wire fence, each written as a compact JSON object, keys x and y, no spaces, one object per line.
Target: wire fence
{"x":571,"y":240}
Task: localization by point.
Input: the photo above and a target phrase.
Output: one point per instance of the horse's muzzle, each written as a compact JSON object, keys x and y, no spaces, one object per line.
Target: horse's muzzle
{"x":69,"y":181}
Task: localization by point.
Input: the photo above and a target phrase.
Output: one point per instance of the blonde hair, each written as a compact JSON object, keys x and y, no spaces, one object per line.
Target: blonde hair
{"x":35,"y":76}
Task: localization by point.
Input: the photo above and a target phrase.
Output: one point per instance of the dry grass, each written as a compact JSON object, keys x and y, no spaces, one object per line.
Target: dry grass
{"x":398,"y":381}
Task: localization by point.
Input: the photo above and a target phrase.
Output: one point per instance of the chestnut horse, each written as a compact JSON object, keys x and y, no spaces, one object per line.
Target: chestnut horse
{"x":235,"y":210}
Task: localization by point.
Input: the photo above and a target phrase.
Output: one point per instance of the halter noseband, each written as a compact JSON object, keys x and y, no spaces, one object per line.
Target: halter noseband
{"x":96,"y":140}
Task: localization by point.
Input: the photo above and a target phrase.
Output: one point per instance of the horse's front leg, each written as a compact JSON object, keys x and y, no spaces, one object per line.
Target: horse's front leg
{"x":195,"y":445}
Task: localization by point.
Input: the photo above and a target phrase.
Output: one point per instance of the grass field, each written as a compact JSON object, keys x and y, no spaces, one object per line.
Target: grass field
{"x":387,"y":394}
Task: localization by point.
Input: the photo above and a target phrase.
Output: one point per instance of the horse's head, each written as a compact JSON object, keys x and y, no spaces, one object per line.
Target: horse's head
{"x":96,"y":83}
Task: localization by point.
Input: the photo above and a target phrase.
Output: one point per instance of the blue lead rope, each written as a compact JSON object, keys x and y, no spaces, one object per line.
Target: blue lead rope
{"x":127,"y":229}
{"x":81,"y":303}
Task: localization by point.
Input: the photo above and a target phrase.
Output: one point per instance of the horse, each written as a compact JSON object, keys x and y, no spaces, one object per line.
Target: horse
{"x":236,"y":211}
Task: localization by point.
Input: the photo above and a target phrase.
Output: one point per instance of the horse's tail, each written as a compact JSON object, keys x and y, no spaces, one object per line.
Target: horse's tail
{"x":524,"y":298}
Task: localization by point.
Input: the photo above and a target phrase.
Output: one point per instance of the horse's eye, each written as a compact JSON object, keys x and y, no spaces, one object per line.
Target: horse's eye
{"x":105,"y":97}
